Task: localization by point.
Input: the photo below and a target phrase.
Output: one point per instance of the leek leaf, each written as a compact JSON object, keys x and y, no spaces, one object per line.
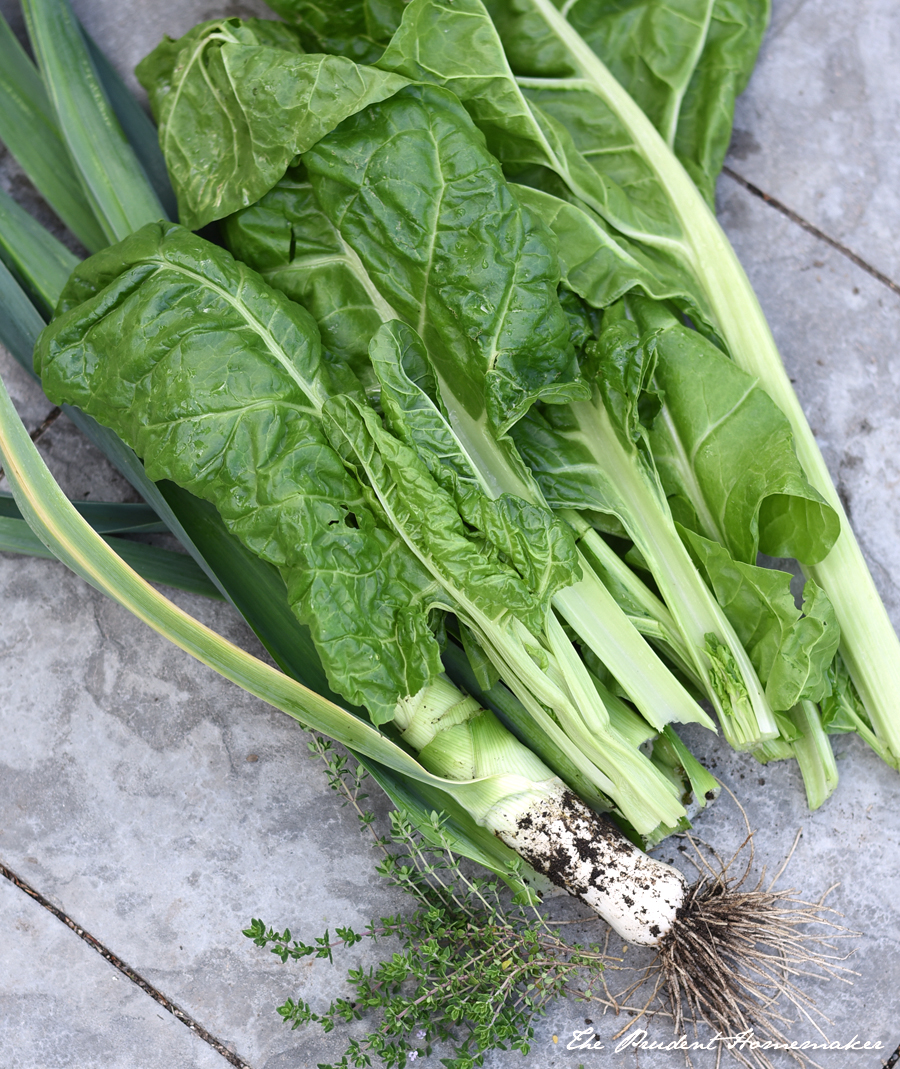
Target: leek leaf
{"x":29,"y":129}
{"x":152,"y":563}
{"x":111,"y":176}
{"x":20,"y":322}
{"x":233,"y":110}
{"x":105,"y":517}
{"x":40,"y":263}
{"x":136,"y":125}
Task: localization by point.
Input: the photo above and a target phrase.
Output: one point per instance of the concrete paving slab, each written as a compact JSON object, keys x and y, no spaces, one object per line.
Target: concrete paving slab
{"x":77,"y":1010}
{"x":127,"y":796}
{"x":161,"y":807}
{"x":817,"y":126}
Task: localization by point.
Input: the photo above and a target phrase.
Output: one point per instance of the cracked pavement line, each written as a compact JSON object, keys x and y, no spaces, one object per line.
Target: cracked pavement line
{"x":804,"y":224}
{"x":126,"y":970}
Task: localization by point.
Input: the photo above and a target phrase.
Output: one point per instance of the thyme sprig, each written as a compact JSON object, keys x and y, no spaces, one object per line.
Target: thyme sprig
{"x":474,"y":970}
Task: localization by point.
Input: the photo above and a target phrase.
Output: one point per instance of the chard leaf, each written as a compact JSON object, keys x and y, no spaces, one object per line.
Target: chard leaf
{"x":540,"y":546}
{"x":287,"y":238}
{"x":594,"y":455}
{"x":358,"y":29}
{"x":218,"y":383}
{"x":467,"y":566}
{"x":414,"y":191}
{"x":454,"y":43}
{"x":651,"y":46}
{"x":842,"y":709}
{"x":562,"y":445}
{"x":800,"y":670}
{"x":790,"y":648}
{"x":724,"y":452}
{"x":721,"y":75}
{"x":684,"y":62}
{"x":601,"y":265}
{"x":237,"y":101}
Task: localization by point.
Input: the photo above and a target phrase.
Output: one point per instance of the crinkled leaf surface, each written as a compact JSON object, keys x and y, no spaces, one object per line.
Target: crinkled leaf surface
{"x":540,"y":545}
{"x":358,"y":29}
{"x":467,"y":565}
{"x":412,"y":188}
{"x":684,"y":62}
{"x":791,"y":651}
{"x":235,"y":103}
{"x":218,"y":382}
{"x":287,"y":238}
{"x":724,"y":452}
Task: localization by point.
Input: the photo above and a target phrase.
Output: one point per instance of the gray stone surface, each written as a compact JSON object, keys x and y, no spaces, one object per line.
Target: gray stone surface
{"x":817,"y":127}
{"x":161,"y":808}
{"x":62,"y":1005}
{"x":129,"y":792}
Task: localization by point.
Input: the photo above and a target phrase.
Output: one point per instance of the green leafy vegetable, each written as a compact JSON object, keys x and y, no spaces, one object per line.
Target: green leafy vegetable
{"x":287,"y":238}
{"x":725,"y":454}
{"x":32,"y":255}
{"x":29,"y":129}
{"x":790,"y":649}
{"x":244,"y":95}
{"x":451,"y":250}
{"x":684,"y":62}
{"x":594,"y":455}
{"x":113,"y":180}
{"x":358,"y":29}
{"x":246,"y":378}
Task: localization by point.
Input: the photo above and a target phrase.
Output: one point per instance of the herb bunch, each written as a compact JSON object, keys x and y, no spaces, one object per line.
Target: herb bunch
{"x":473,"y":969}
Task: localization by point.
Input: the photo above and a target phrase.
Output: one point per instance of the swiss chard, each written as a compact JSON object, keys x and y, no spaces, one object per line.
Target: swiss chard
{"x":493,"y":349}
{"x":245,"y":95}
{"x":245,"y":379}
{"x":213,"y":367}
{"x":684,"y":63}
